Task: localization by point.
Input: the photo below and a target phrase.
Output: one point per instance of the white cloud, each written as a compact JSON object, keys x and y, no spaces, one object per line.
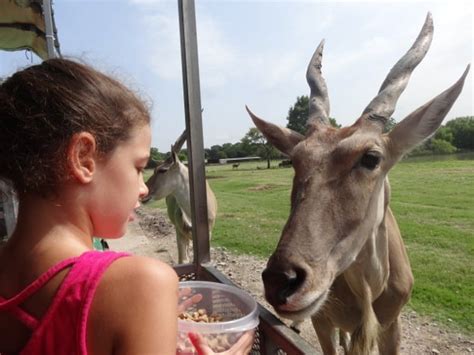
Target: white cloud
{"x":266,"y":68}
{"x":164,"y":46}
{"x":218,"y":58}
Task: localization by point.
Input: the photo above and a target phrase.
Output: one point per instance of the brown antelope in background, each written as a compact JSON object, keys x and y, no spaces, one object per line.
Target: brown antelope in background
{"x":170,"y":180}
{"x":341,"y":259}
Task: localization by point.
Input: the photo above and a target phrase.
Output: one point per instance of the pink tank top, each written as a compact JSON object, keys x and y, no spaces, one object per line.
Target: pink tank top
{"x":62,"y":329}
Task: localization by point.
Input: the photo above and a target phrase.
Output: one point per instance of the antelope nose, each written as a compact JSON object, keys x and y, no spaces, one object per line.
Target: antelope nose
{"x":280,"y":284}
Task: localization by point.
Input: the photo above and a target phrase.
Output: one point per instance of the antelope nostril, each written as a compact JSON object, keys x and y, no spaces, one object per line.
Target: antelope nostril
{"x":296,"y":280}
{"x":281,"y":284}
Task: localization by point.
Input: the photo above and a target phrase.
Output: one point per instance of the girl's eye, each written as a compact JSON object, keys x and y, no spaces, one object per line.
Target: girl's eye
{"x":370,"y":161}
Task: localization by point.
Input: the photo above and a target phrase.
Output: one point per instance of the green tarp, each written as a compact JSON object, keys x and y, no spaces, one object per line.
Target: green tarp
{"x":22,"y":26}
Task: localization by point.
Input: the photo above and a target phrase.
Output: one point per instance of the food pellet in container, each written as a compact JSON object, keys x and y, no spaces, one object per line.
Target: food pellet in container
{"x":223,"y":314}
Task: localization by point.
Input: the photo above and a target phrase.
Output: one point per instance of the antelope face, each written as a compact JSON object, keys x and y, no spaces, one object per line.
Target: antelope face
{"x":164,"y":180}
{"x":338,"y":200}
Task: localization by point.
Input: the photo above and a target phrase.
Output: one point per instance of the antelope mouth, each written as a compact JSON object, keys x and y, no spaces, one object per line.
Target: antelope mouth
{"x":146,"y":198}
{"x":295,"y":311}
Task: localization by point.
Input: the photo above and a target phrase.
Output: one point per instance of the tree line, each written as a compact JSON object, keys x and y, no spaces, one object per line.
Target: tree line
{"x":456,"y":135}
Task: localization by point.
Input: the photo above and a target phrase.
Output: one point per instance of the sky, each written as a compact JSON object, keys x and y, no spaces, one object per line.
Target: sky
{"x":256,"y":53}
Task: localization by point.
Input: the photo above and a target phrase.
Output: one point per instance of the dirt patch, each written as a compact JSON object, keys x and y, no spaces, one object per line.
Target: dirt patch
{"x":264,"y":187}
{"x":421,"y":335}
{"x":156,"y":225}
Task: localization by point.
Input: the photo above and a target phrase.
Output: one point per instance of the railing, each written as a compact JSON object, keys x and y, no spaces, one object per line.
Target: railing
{"x":272,"y":336}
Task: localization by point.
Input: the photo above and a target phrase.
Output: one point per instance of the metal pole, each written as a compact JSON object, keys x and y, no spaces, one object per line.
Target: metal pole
{"x":10,"y":208}
{"x":10,"y":204}
{"x":48,"y":21}
{"x":192,"y":108}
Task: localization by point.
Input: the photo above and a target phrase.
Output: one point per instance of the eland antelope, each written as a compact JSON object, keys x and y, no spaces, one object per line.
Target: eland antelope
{"x":340,"y":259}
{"x":170,"y":180}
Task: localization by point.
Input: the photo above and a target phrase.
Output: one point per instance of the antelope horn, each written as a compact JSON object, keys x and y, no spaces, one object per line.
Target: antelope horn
{"x":179,"y":142}
{"x":383,"y":105}
{"x":176,"y":147}
{"x":319,"y":100}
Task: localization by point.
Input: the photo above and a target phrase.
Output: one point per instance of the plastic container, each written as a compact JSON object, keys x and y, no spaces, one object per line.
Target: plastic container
{"x":235,"y":309}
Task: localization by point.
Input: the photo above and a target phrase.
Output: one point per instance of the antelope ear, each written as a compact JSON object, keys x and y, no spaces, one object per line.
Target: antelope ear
{"x":283,"y":139}
{"x":423,"y":122}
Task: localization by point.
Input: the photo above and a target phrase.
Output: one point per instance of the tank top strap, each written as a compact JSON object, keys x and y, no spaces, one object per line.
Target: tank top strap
{"x":62,"y":329}
{"x":84,"y":280}
{"x":67,"y":315}
{"x":27,"y":319}
{"x":79,"y":285}
{"x":6,"y":304}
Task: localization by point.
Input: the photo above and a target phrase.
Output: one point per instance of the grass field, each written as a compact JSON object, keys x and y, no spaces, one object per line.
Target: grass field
{"x":433,"y":202}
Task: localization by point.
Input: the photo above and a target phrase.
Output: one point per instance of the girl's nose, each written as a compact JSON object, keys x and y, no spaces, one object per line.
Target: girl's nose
{"x":143,"y":191}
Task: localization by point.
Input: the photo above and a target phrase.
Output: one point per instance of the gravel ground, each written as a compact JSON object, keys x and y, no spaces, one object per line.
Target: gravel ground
{"x":421,"y":335}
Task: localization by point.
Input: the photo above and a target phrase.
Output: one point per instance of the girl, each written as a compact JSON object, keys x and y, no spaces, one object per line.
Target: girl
{"x":73,"y":145}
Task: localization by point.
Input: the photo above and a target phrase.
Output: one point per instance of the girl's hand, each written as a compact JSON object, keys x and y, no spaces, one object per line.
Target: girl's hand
{"x":184,"y":301}
{"x":243,"y":346}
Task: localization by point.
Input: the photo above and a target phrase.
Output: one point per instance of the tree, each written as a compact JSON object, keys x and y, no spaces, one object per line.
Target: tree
{"x":155,"y":157}
{"x":333,"y":122}
{"x":440,"y":146}
{"x":239,"y":150}
{"x":155,"y":154}
{"x":389,"y":125}
{"x":444,"y":133}
{"x":183,"y":155}
{"x":457,"y":134}
{"x":232,"y":150}
{"x":251,"y":141}
{"x":298,"y":115}
{"x":462,"y":129}
{"x":216,"y":153}
{"x":259,"y":145}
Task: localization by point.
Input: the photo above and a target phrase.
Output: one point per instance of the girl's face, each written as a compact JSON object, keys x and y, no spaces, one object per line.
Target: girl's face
{"x":119,"y":185}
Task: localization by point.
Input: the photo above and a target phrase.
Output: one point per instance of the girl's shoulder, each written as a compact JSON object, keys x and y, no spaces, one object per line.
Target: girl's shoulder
{"x":119,"y":268}
{"x":137,"y":269}
{"x":135,"y":279}
{"x":133,"y":292}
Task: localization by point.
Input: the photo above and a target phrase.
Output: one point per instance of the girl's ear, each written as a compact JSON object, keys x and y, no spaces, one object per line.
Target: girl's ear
{"x":82,"y":156}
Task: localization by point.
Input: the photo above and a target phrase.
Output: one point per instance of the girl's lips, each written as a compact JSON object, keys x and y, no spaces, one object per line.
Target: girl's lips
{"x":132,"y":217}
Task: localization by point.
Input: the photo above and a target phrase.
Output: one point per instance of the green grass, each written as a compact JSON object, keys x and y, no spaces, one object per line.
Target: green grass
{"x":433,"y":202}
{"x":253,"y":207}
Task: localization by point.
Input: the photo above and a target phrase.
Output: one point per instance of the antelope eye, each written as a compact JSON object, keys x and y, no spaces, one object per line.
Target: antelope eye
{"x":370,"y":161}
